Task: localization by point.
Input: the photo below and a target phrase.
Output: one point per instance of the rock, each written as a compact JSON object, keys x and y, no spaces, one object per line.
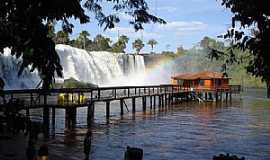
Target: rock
{"x":133,"y":153}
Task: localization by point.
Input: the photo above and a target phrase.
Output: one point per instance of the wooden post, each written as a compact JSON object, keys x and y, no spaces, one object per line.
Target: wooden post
{"x":154,"y":101}
{"x":67,"y":118}
{"x":165,"y":99}
{"x":205,"y":95}
{"x":144,"y":103}
{"x":98,"y":94}
{"x":221,"y":93}
{"x":79,"y":98}
{"x":121,"y":107}
{"x":133,"y":105}
{"x":151,"y":102}
{"x":162,"y":100}
{"x":53,"y":119}
{"x":71,"y":118}
{"x":90,"y":114}
{"x":169,"y":99}
{"x":107,"y":109}
{"x":159,"y":101}
{"x":46,"y":117}
{"x":73,"y":112}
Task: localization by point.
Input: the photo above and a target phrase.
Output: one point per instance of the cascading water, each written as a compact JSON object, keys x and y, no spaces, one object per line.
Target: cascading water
{"x":9,"y":67}
{"x":101,"y":68}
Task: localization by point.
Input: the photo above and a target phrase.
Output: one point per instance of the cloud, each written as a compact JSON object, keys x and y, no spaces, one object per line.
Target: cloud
{"x":183,"y":27}
{"x":130,"y":32}
{"x":125,"y":16}
{"x":167,"y":9}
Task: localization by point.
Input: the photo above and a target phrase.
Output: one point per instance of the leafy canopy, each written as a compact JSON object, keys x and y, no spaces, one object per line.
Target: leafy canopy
{"x":26,"y":27}
{"x":120,"y":45}
{"x":251,"y":15}
{"x":138,"y":45}
{"x":152,"y":43}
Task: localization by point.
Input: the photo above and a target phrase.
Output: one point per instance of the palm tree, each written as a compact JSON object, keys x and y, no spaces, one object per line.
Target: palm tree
{"x":152,"y":43}
{"x":138,"y":45}
{"x":83,"y":38}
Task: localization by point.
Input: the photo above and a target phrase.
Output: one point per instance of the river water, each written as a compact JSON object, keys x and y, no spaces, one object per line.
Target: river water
{"x":185,"y":131}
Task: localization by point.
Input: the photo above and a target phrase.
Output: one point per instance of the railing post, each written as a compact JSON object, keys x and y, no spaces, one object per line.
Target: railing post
{"x":90,"y":113}
{"x":128,"y":92}
{"x":121,"y":107}
{"x":107,"y":110}
{"x":46,"y":116}
{"x":144,"y":103}
{"x":98,"y":94}
{"x":133,"y":105}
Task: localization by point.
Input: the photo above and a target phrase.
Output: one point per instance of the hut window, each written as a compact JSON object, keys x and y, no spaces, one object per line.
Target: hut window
{"x":201,"y":82}
{"x":207,"y":83}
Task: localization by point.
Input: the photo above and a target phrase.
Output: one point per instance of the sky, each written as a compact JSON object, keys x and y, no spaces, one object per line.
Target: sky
{"x":188,"y":21}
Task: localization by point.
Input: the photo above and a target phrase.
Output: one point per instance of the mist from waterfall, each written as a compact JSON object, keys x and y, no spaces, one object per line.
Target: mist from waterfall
{"x":9,"y":67}
{"x":101,"y":68}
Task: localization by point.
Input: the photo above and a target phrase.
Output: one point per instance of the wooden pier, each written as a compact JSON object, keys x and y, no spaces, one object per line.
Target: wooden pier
{"x":72,"y":98}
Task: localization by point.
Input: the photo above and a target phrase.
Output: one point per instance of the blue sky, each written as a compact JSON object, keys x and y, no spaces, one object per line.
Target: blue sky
{"x":188,"y":21}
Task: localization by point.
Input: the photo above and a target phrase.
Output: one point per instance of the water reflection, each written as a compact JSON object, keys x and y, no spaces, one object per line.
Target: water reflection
{"x":185,"y":131}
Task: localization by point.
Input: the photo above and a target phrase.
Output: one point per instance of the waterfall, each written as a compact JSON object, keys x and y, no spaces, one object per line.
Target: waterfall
{"x":101,"y":68}
{"x":9,"y":67}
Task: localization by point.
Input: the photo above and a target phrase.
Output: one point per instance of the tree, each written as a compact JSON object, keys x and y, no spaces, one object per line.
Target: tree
{"x":120,"y":45}
{"x":138,"y":45}
{"x":253,"y":15}
{"x":24,"y":27}
{"x":82,"y":40}
{"x":101,"y":43}
{"x":152,"y":43}
{"x":61,"y":37}
{"x":209,"y":43}
{"x":180,"y":50}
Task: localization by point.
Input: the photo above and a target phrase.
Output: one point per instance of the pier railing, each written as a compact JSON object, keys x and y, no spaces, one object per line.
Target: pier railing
{"x":82,"y":96}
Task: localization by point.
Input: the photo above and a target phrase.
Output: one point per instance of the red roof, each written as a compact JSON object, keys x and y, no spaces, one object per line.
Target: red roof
{"x":199,"y":75}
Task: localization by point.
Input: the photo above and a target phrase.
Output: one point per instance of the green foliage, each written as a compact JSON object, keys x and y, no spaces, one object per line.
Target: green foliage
{"x":82,"y":41}
{"x":210,"y":43}
{"x":138,"y":45}
{"x":61,"y":37}
{"x":101,"y":43}
{"x":152,"y":43}
{"x":180,"y":51}
{"x":120,"y":45}
{"x":73,"y":83}
{"x":25,"y":29}
{"x":252,"y":15}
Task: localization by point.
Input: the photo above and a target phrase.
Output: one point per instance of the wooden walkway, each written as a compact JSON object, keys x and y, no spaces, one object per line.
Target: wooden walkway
{"x":72,"y":98}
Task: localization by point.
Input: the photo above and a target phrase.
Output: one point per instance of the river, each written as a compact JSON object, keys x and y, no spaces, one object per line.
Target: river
{"x":184,"y":131}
